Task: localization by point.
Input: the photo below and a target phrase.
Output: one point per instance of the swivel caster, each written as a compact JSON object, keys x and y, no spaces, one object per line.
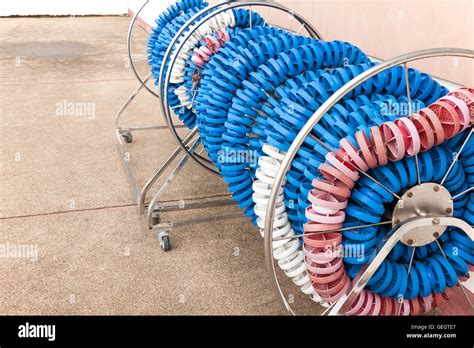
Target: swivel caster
{"x":127,"y":136}
{"x":165,"y":242}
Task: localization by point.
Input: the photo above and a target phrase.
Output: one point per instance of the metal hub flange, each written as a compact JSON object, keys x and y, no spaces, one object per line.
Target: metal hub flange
{"x":428,"y":199}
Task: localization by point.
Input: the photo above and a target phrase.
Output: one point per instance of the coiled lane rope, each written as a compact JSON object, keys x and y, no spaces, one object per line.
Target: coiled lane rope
{"x":255,"y":90}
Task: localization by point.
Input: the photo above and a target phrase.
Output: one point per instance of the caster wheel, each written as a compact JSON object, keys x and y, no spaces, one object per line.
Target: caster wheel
{"x":127,"y":137}
{"x":165,"y":243}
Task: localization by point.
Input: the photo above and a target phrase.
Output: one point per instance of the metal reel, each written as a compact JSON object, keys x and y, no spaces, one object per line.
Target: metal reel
{"x":186,"y":31}
{"x":417,"y":212}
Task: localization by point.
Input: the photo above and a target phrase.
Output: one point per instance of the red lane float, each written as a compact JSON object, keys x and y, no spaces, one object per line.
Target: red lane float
{"x":212,"y":45}
{"x":406,"y":136}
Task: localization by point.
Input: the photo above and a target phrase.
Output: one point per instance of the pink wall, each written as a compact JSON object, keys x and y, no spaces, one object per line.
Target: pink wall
{"x":387,"y":28}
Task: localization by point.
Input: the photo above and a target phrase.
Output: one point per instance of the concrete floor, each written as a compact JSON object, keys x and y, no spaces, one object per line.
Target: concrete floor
{"x":64,"y":191}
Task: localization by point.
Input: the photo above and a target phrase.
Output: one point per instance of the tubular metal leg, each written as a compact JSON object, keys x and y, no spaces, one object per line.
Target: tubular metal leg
{"x":168,"y":226}
{"x":155,"y":208}
{"x":129,"y":100}
{"x":159,"y":172}
{"x":125,"y":106}
{"x":119,"y":132}
{"x":167,"y":183}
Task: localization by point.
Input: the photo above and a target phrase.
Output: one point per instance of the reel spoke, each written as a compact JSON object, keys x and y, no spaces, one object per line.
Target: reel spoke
{"x":408,"y":276}
{"x":265,"y":20}
{"x":463,"y":193}
{"x":356,"y":167}
{"x":410,"y":112}
{"x":456,"y":158}
{"x":251,"y":14}
{"x":334,"y":230}
{"x":301,"y":28}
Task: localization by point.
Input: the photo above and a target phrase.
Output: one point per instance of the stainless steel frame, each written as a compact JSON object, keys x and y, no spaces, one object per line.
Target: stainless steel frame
{"x":191,"y":139}
{"x":190,"y":142}
{"x":124,"y":134}
{"x":399,"y":231}
{"x":189,"y":29}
